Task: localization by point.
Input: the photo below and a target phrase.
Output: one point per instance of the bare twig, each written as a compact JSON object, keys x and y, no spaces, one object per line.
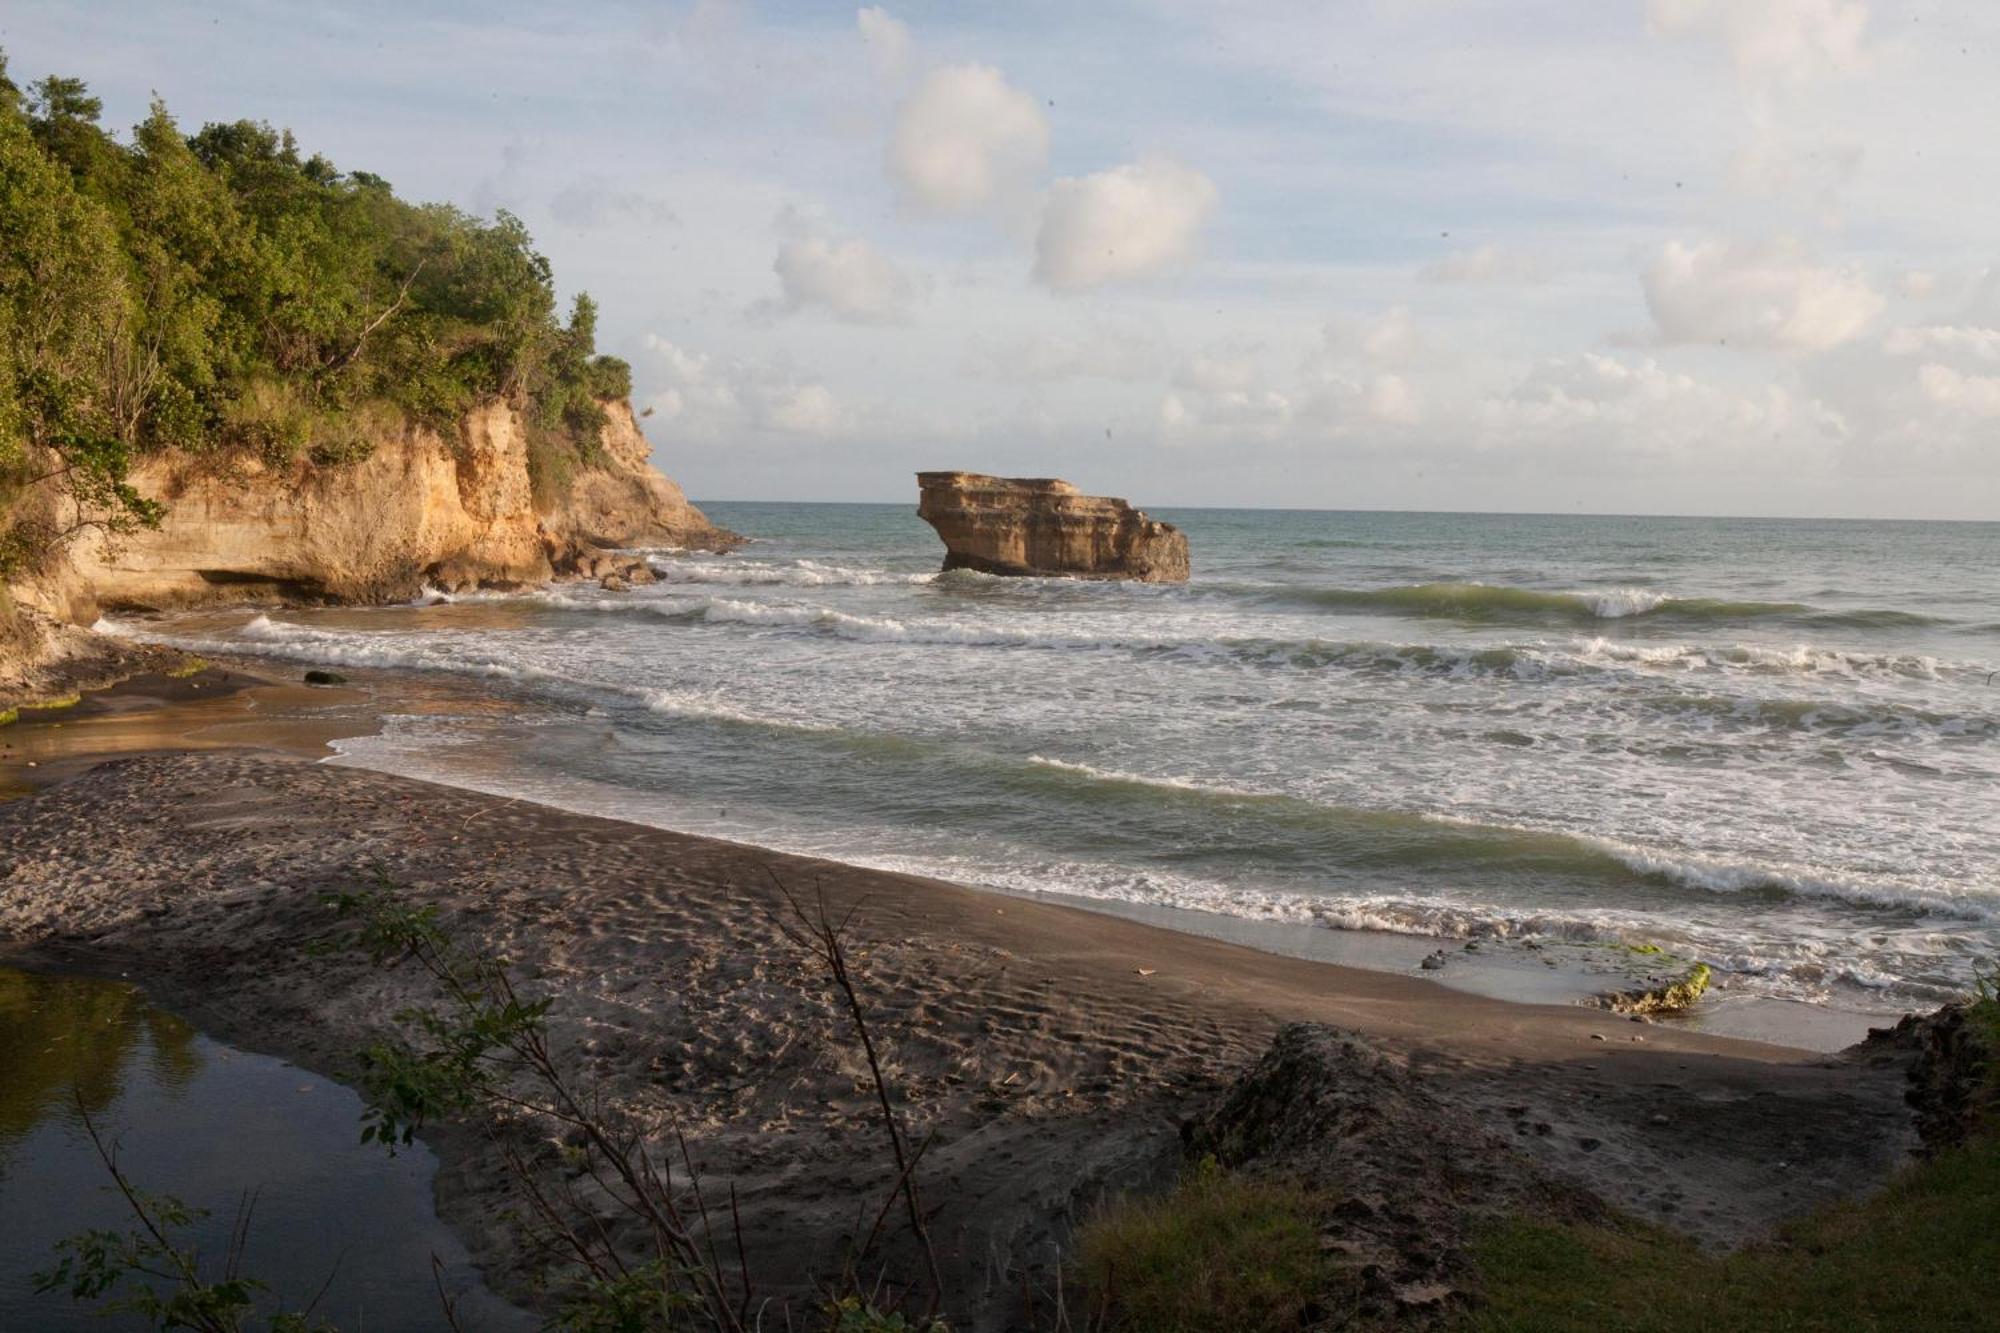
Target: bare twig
{"x":445,"y":1302}
{"x":402,"y":294}
{"x":821,"y":935}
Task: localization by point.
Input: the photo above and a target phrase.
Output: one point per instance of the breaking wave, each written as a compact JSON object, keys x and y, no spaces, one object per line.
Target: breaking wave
{"x":1373,"y":839}
{"x":1483,"y":603}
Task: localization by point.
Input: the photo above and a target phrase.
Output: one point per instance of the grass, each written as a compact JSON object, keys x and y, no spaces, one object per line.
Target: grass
{"x":1221,"y":1251}
{"x":1924,"y":1253}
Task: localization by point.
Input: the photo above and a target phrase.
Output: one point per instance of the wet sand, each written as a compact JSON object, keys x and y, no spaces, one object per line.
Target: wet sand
{"x":215,"y":706}
{"x":1053,"y":1051}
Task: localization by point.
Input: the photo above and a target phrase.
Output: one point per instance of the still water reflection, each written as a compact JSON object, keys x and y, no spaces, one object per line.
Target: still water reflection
{"x":206,"y":1122}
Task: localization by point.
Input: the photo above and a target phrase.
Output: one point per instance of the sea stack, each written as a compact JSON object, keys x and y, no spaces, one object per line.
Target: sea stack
{"x":1039,"y":526}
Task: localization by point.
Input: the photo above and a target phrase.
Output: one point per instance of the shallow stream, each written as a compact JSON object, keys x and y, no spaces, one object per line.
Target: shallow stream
{"x":210,"y":1125}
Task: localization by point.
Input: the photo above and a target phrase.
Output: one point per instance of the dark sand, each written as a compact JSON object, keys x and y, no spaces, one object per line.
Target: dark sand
{"x":1053,"y":1051}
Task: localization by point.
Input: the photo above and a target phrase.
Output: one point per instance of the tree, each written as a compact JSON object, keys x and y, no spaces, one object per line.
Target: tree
{"x":10,"y":93}
{"x":65,"y":321}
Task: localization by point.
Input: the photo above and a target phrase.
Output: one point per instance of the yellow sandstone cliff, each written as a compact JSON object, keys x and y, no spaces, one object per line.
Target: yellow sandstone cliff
{"x":420,"y":509}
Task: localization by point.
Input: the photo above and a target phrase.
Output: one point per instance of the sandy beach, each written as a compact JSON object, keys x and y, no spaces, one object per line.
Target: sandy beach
{"x":1055,"y":1053}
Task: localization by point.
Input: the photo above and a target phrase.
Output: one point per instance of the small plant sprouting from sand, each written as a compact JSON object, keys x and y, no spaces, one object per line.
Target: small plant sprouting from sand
{"x":1984,"y":1011}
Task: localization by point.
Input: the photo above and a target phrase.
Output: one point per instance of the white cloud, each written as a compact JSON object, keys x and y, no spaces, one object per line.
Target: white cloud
{"x":713,"y":400}
{"x":1771,"y":295}
{"x":1260,"y":412}
{"x":1917,"y":283}
{"x":1130,"y":222}
{"x":597,"y":201}
{"x":1218,"y":370}
{"x":1785,"y":42}
{"x":888,"y":41}
{"x":1392,"y":401}
{"x":1981,"y":344}
{"x":850,"y":279}
{"x":1102,"y":353}
{"x":1954,"y":391}
{"x":1608,"y":405}
{"x":804,"y":409}
{"x":1486,"y":263}
{"x":1774,"y":166}
{"x":1393,"y":337}
{"x":965,"y":141}
{"x":1350,"y":344}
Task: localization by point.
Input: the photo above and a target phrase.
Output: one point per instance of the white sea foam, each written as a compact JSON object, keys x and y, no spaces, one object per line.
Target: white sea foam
{"x":1804,"y":659}
{"x":1621,"y":602}
{"x":887,"y":629}
{"x":1723,"y":875}
{"x":715,"y":708}
{"x":1140,"y":779}
{"x":789,"y":573}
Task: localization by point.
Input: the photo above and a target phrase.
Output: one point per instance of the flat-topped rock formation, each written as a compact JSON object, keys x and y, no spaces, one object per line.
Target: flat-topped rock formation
{"x":1042,"y":526}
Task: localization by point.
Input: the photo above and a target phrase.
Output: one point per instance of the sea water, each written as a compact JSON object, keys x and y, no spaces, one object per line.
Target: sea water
{"x":1770,"y":744}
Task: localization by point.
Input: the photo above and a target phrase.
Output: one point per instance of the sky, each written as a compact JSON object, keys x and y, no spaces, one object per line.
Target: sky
{"x":1616,"y":256}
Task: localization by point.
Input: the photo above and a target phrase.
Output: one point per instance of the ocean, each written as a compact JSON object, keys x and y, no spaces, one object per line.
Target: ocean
{"x":1773,"y":745}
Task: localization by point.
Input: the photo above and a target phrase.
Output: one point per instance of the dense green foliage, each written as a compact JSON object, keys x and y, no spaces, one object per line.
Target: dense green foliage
{"x":220,"y":291}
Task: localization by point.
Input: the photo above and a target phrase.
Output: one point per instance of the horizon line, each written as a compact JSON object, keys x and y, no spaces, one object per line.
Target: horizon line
{"x":1437,"y":513}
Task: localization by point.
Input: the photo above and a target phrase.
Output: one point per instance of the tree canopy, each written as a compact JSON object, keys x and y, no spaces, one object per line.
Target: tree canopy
{"x":221,"y":291}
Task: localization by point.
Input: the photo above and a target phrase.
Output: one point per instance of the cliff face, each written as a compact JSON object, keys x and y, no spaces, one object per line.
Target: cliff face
{"x":1008,"y":525}
{"x":420,"y":509}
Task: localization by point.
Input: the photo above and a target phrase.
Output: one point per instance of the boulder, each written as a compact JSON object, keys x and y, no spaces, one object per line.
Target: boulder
{"x":1046,"y":527}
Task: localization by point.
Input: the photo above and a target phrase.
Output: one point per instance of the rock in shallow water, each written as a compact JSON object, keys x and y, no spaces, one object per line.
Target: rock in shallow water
{"x":1042,"y":526}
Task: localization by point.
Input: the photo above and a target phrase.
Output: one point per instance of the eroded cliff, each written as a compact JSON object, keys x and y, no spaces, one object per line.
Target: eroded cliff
{"x":1042,"y":526}
{"x":421,"y":509}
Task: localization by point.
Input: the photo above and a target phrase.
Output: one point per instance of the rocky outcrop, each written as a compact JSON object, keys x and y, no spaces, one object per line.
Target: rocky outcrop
{"x":1407,"y":1178}
{"x":1019,"y":526}
{"x":1951,"y":1088}
{"x":421,"y":509}
{"x":629,"y":502}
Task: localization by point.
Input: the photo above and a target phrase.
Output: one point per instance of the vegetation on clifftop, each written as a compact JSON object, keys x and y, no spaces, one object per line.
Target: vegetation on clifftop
{"x":222,"y":291}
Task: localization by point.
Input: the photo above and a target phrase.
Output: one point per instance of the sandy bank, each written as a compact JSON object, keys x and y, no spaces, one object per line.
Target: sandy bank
{"x":1054,"y":1052}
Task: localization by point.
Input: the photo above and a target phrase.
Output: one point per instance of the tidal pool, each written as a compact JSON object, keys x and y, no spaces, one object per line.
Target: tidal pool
{"x":208,"y":1123}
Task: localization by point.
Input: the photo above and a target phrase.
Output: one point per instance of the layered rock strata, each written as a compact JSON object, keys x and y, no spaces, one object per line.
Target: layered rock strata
{"x":420,"y":510}
{"x":1042,"y":526}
